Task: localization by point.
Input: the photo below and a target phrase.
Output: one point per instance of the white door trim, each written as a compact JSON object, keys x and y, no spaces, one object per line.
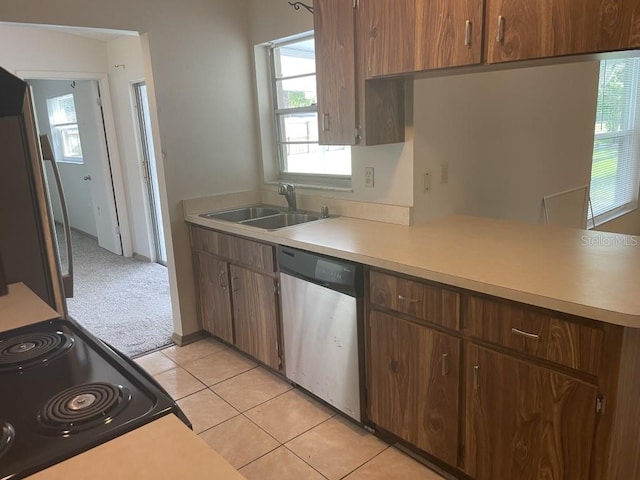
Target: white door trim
{"x":112,"y":141}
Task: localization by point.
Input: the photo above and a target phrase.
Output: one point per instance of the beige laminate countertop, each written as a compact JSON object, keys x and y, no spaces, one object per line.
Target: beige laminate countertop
{"x":580,"y":272}
{"x":23,"y":307}
{"x":165,"y":448}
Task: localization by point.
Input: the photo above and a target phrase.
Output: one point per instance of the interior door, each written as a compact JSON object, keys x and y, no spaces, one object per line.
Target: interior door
{"x":96,"y":158}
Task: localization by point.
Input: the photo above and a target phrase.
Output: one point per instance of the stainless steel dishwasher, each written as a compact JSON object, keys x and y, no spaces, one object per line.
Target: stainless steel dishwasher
{"x":322,"y":326}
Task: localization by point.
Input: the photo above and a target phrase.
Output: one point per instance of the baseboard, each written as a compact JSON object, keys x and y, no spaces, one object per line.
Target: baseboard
{"x":182,"y":340}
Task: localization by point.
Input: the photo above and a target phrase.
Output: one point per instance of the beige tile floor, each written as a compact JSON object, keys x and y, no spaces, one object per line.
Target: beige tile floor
{"x":267,"y":429}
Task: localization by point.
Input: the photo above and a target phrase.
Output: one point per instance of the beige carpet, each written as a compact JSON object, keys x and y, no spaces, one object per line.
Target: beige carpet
{"x":123,"y":301}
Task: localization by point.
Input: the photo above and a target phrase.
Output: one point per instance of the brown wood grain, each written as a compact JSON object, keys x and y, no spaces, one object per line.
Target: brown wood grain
{"x":205,"y":240}
{"x":525,"y":422}
{"x":255,"y":314}
{"x":388,"y":36}
{"x":440,"y":33}
{"x":624,"y":452}
{"x":334,"y":32}
{"x":619,"y":25}
{"x":213,"y":296}
{"x":408,"y":392}
{"x":252,"y":254}
{"x":415,"y":298}
{"x":567,"y":343}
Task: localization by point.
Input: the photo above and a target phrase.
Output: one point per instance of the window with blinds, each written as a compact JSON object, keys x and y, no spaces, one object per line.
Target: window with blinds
{"x":616,"y":147}
{"x":64,"y":128}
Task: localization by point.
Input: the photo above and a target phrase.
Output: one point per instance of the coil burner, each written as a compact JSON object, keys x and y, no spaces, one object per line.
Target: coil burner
{"x":83,"y":407}
{"x":33,"y":349}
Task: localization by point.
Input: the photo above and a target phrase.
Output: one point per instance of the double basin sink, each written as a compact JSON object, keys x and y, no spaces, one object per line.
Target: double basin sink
{"x":267,"y":217}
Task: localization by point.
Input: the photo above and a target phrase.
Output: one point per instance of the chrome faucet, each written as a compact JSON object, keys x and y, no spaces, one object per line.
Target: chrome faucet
{"x":289,"y":192}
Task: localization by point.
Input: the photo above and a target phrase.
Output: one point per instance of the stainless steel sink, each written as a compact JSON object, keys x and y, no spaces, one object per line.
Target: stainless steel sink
{"x":267,"y":217}
{"x":282,"y":220}
{"x":242,"y":214}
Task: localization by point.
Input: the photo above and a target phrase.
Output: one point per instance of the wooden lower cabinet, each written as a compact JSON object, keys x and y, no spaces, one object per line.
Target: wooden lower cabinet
{"x":214,"y":296}
{"x":413,"y":384}
{"x":525,"y":422}
{"x":255,"y":314}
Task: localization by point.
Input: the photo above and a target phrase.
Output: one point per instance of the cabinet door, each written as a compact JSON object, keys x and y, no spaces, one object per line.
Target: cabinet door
{"x":448,"y":33}
{"x":389,"y":36}
{"x":256,"y":316}
{"x":525,"y":422}
{"x":334,"y":32}
{"x":215,"y":301}
{"x":520,"y":29}
{"x":413,"y":384}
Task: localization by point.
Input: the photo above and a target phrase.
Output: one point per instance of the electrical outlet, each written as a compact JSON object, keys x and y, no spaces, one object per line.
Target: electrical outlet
{"x":369,"y":181}
{"x":427,"y":181}
{"x":444,"y":173}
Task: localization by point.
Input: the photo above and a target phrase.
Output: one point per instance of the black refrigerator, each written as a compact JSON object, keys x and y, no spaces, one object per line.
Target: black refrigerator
{"x":28,"y":242}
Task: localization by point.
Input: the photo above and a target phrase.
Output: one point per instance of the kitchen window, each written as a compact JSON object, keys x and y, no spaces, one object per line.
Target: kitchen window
{"x":293,"y":82}
{"x":616,"y":148}
{"x":64,"y":128}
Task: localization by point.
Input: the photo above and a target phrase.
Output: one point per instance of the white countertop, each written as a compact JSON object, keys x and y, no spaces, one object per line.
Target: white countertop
{"x":586,"y":273}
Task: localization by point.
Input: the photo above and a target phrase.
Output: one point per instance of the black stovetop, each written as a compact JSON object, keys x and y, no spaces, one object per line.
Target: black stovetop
{"x":62,"y":391}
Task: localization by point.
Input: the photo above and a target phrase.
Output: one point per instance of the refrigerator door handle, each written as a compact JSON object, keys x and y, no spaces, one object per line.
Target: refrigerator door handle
{"x":47,"y":154}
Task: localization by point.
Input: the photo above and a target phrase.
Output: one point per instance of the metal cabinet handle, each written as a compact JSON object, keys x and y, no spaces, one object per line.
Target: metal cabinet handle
{"x":407,"y":299}
{"x":220,"y":275}
{"x":467,"y":34}
{"x":445,"y":364}
{"x":500,"y":35}
{"x":525,"y":334}
{"x":476,"y":377}
{"x":325,"y":122}
{"x":233,"y":284}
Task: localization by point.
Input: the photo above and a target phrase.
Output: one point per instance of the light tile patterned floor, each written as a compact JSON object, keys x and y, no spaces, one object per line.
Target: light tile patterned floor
{"x":264,"y":427}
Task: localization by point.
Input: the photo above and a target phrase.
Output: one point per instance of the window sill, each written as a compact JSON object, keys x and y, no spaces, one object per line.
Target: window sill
{"x":609,"y":216}
{"x":307,"y":186}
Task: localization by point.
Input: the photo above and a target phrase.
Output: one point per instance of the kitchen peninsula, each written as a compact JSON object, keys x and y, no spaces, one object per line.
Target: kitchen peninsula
{"x":522,"y":329}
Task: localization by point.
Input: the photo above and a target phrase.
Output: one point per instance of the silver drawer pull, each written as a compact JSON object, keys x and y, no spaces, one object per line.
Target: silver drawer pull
{"x":445,"y":364}
{"x":407,"y":299}
{"x":325,"y":122}
{"x":500,"y":34}
{"x":476,"y":375}
{"x":467,"y":34}
{"x":525,"y":334}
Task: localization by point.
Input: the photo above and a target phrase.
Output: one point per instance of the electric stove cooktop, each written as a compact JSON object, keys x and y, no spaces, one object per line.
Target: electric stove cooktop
{"x":63,"y":391}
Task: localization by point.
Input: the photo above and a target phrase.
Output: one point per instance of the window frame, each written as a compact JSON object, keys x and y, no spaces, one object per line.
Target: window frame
{"x":302,"y":179}
{"x":56,"y":136}
{"x":629,"y":140}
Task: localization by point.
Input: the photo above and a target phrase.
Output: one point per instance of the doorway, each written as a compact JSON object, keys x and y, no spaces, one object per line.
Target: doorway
{"x":150,"y":172}
{"x":70,"y":113}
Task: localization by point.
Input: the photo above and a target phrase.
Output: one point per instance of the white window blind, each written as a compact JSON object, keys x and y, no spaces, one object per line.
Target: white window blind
{"x":614,"y":174}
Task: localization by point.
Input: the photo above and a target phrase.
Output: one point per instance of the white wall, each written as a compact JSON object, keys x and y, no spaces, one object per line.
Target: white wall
{"x":77,"y":191}
{"x":509,"y":137}
{"x":127,"y":52}
{"x":202,"y":72}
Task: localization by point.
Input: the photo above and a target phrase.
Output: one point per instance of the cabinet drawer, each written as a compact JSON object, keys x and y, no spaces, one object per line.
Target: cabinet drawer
{"x":420,"y":300}
{"x":209,"y":241}
{"x":536,"y":333}
{"x":252,"y":254}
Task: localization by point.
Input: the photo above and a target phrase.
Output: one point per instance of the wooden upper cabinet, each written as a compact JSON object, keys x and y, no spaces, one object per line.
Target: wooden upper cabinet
{"x":334,"y":27}
{"x":525,"y":422}
{"x":404,"y":36}
{"x":522,"y":29}
{"x":413,"y":380}
{"x":350,"y":110}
